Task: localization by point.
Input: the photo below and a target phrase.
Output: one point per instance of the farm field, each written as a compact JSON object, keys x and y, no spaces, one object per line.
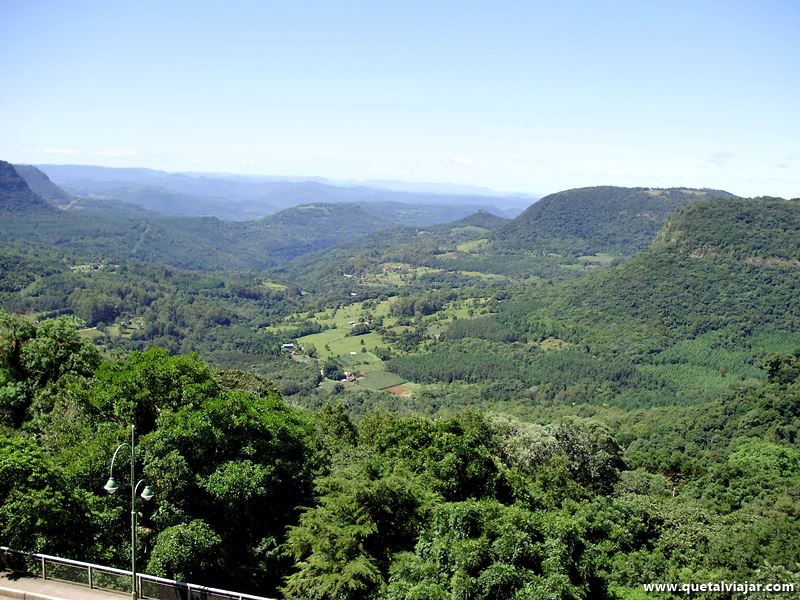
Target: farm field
{"x":354,"y":353}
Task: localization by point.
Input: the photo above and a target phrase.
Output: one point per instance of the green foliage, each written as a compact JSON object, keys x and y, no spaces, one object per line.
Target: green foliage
{"x":483,"y":549}
{"x":659,"y":395}
{"x":332,"y":370}
{"x":596,"y":219}
{"x":757,"y":473}
{"x":39,"y":510}
{"x":342,"y":547}
{"x":186,"y":552}
{"x":16,"y":198}
{"x":149,"y":383}
{"x":35,"y":361}
{"x":222,"y":459}
{"x":782,"y":369}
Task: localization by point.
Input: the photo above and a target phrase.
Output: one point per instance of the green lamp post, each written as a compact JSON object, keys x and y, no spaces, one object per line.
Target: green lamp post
{"x":111,"y":486}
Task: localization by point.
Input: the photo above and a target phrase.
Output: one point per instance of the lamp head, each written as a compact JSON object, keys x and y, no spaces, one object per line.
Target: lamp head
{"x":111,"y":486}
{"x":147,"y":493}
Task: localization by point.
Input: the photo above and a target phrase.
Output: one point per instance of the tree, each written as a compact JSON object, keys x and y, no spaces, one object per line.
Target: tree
{"x":223,"y":460}
{"x":33,"y":361}
{"x":332,"y":370}
{"x":186,"y":552}
{"x":39,"y":509}
{"x":145,"y":384}
{"x":483,"y":550}
{"x":342,"y":547}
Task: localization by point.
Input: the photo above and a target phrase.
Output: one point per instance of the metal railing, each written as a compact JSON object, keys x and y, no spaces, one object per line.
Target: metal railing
{"x":111,"y":579}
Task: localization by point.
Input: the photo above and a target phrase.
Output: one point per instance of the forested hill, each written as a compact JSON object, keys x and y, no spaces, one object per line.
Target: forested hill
{"x":758,"y":231}
{"x":713,"y":265}
{"x":482,"y":218}
{"x":593,"y":220}
{"x":676,"y":324}
{"x":40,"y":183}
{"x":15,"y":195}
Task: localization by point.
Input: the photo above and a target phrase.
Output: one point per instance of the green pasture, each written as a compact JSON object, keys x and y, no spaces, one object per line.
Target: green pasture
{"x":471,"y":245}
{"x":380,"y":379}
{"x":90,"y":333}
{"x":340,"y":344}
{"x":125,"y":330}
{"x":600,"y":258}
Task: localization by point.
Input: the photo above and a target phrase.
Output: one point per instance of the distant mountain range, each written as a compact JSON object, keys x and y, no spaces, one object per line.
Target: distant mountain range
{"x":114,"y":228}
{"x":240,"y":198}
{"x":559,"y":228}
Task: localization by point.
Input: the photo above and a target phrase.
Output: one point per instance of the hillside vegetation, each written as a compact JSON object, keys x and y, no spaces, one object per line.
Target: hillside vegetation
{"x":424,"y":413}
{"x":40,"y":184}
{"x":16,"y":198}
{"x":596,"y":219}
{"x":390,"y":507}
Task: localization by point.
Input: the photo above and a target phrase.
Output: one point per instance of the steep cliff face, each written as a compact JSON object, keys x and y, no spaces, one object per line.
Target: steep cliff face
{"x":15,"y":195}
{"x":40,"y":184}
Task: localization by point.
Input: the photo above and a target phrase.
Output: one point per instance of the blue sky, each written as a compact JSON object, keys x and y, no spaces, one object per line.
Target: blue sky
{"x":528,"y":96}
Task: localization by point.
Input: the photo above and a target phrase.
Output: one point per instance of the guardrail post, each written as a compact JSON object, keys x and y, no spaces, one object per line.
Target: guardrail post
{"x":91,"y":578}
{"x":44,"y":571}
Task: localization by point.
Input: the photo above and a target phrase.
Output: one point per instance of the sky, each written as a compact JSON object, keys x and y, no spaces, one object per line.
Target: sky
{"x":530,"y":96}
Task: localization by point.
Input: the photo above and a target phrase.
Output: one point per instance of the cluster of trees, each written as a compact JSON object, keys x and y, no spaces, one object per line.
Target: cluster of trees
{"x":256,"y":495}
{"x":563,"y":375}
{"x":421,"y":304}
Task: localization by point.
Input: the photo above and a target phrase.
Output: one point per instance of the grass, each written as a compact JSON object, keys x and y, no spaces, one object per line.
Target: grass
{"x":601,"y":258}
{"x":555,"y":344}
{"x":397,"y":274}
{"x":379,"y":380}
{"x":357,"y":361}
{"x":392,"y":278}
{"x":125,"y":330}
{"x":278,"y":329}
{"x":339,"y":344}
{"x":335,"y":342}
{"x":406,"y":389}
{"x":90,"y":333}
{"x":471,"y":245}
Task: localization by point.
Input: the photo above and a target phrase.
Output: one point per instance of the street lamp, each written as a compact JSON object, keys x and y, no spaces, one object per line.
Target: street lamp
{"x":111,"y":486}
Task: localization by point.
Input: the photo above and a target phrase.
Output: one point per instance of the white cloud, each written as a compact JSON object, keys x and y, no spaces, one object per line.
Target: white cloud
{"x":117,"y":152}
{"x":461,"y":161}
{"x":63,"y":151}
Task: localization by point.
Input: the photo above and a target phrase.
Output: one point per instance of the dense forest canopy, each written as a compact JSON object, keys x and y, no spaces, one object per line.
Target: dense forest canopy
{"x":395,"y":507}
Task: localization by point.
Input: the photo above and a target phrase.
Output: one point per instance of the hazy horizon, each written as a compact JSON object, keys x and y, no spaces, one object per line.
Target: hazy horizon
{"x":532,"y":98}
